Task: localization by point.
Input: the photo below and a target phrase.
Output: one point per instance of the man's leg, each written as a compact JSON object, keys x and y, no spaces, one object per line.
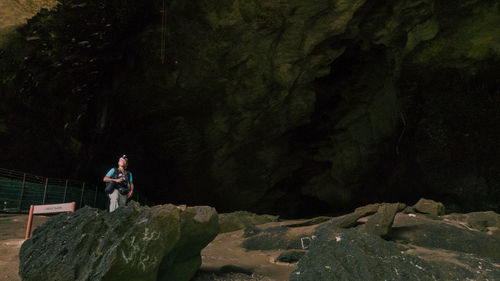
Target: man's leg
{"x":122,"y":199}
{"x":113,"y":203}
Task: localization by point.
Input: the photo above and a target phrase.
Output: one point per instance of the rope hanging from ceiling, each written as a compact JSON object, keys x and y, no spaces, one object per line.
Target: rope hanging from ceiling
{"x":163,"y":33}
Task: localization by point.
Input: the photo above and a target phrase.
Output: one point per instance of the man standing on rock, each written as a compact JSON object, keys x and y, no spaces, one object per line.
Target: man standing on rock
{"x":119,"y":184}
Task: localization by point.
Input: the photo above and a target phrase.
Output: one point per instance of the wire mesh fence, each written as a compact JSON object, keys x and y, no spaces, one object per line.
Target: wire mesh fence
{"x":19,"y":190}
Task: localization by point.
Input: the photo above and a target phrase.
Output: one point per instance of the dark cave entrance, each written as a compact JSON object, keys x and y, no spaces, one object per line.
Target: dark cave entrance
{"x":453,"y":132}
{"x":349,"y":82}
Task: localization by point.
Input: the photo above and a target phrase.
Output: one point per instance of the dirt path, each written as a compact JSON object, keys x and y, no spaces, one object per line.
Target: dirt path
{"x":225,"y":252}
{"x":12,"y":231}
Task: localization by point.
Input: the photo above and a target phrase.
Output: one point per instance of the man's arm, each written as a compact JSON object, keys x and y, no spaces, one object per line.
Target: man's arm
{"x":131,"y":190}
{"x":108,"y":179}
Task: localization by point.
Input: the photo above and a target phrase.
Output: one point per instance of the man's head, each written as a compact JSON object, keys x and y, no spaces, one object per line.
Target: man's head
{"x":123,"y":161}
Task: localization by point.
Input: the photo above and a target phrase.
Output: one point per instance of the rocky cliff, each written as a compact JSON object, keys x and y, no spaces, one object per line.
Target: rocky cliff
{"x":283,"y":106}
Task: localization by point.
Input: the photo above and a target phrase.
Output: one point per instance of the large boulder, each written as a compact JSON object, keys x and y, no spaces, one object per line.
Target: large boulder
{"x":430,"y":207}
{"x":482,"y":220}
{"x":352,"y":218}
{"x":133,"y":243}
{"x":350,"y":254}
{"x":381,"y":223}
{"x":354,"y":254}
{"x":432,"y":234}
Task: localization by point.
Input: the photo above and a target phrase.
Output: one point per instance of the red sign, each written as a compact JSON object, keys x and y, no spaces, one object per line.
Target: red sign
{"x":53,"y":208}
{"x":48,"y":209}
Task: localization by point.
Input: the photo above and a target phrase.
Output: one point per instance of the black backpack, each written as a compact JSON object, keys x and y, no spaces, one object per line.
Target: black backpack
{"x":123,"y":187}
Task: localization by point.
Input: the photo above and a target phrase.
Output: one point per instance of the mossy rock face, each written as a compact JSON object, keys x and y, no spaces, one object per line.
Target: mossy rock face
{"x":199,"y":226}
{"x":351,"y":219}
{"x":430,"y":207}
{"x":240,"y":220}
{"x":461,"y":55}
{"x":482,"y":220}
{"x":290,"y":107}
{"x":381,"y":223}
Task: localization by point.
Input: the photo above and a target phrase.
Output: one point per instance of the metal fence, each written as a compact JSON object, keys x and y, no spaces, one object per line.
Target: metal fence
{"x":19,"y":190}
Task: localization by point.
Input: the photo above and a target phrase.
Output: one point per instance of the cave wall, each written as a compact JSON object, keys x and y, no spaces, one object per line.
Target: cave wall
{"x":286,"y":107}
{"x":450,"y":92}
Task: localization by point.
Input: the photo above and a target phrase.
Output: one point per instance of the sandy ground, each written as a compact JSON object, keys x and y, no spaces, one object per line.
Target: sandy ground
{"x":225,"y":252}
{"x":12,"y":232}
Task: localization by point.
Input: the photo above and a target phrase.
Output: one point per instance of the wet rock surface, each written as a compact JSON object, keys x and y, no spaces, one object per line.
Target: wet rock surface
{"x":132,"y":243}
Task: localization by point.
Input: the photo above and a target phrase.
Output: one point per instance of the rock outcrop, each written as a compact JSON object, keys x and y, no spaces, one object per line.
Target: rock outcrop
{"x":381,"y":223}
{"x":483,"y":220}
{"x":351,"y":254}
{"x":133,"y":243}
{"x":430,"y":207}
{"x":391,"y":245}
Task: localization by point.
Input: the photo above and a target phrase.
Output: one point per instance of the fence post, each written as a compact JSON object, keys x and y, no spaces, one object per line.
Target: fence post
{"x":65,"y":191}
{"x":81,"y":198}
{"x":22,"y":192}
{"x":95,"y":198}
{"x":45,"y":190}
